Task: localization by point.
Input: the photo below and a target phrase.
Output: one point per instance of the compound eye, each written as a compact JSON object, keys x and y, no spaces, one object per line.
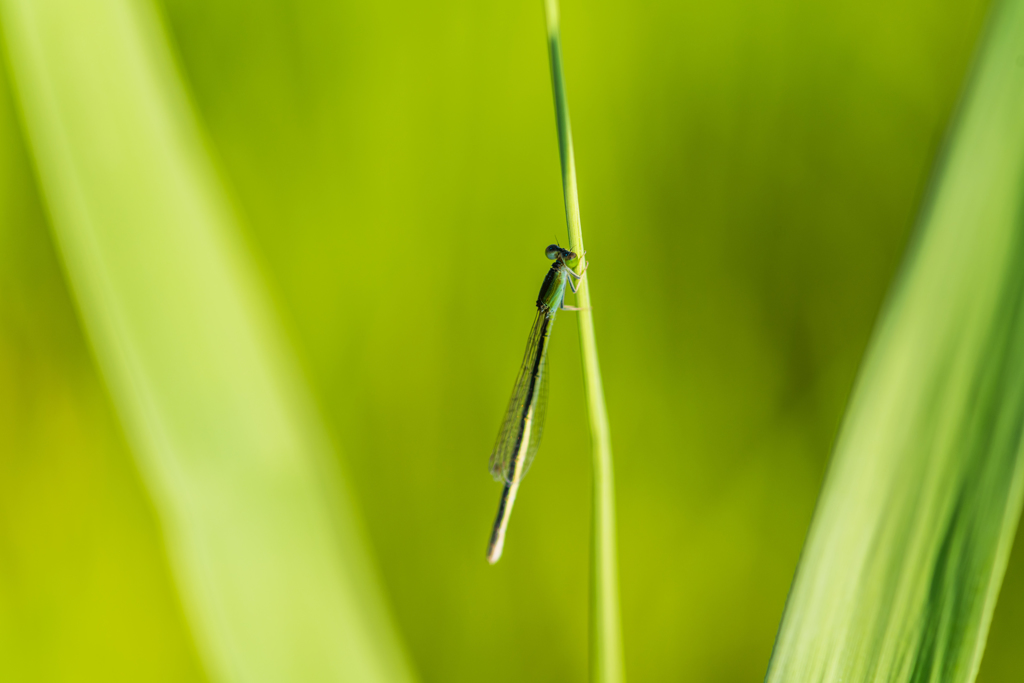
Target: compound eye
{"x":553,"y":251}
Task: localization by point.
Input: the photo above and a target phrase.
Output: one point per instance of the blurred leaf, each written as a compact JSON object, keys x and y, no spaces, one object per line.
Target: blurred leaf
{"x":267,"y":553}
{"x":912,"y":533}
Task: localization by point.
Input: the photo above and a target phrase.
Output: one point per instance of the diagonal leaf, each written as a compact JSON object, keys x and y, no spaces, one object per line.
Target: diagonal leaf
{"x":909,"y":543}
{"x":269,"y":560}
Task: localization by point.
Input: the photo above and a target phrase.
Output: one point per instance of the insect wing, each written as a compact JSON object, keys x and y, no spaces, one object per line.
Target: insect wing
{"x":511,"y":432}
{"x":540,"y":407}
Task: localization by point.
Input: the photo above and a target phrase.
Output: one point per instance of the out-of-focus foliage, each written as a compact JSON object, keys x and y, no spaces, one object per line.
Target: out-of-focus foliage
{"x":85,"y":591}
{"x":749,"y":173}
{"x":272,"y":570}
{"x":901,"y":570}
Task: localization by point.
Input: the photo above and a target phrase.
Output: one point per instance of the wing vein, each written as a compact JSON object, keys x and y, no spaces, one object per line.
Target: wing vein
{"x":530,"y":388}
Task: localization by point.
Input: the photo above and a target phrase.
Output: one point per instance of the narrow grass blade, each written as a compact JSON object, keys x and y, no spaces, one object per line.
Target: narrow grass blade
{"x":271,"y":566}
{"x":909,"y":543}
{"x":606,"y":665}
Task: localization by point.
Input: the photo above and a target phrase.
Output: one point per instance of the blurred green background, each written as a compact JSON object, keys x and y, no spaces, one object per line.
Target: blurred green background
{"x":749,"y":175}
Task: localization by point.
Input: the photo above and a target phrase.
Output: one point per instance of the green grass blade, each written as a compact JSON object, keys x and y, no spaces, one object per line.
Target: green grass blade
{"x":271,"y":566}
{"x":606,"y":665}
{"x":910,"y":539}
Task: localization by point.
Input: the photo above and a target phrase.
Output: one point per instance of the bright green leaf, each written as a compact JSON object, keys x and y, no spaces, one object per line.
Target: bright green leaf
{"x":264,"y":543}
{"x":911,"y":536}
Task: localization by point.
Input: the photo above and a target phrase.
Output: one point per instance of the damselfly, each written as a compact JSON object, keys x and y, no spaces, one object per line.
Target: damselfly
{"x":519,"y":436}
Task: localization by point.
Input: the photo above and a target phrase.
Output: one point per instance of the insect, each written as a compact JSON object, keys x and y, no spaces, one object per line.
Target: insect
{"x":519,"y":436}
